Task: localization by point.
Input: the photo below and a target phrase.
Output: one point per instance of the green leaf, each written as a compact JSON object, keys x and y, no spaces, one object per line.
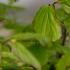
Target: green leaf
{"x":3,"y":9}
{"x":66,"y":8}
{"x":67,"y":23}
{"x":59,"y":48}
{"x":11,"y":24}
{"x":61,"y":14}
{"x":9,"y":64}
{"x":28,"y":28}
{"x":46,"y":24}
{"x":25,"y":55}
{"x":46,"y":67}
{"x":25,"y":36}
{"x":65,"y":2}
{"x":41,"y":53}
{"x":64,"y":62}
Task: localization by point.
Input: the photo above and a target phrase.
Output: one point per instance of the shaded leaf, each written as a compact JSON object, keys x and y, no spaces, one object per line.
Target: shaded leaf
{"x":61,"y":14}
{"x":64,"y":62}
{"x":67,"y":23}
{"x":66,"y":8}
{"x":41,"y":53}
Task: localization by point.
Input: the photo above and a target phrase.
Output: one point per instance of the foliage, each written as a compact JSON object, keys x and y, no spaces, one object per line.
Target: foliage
{"x":40,"y":45}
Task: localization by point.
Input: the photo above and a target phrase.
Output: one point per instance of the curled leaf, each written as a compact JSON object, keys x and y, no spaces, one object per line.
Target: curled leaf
{"x":46,"y":24}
